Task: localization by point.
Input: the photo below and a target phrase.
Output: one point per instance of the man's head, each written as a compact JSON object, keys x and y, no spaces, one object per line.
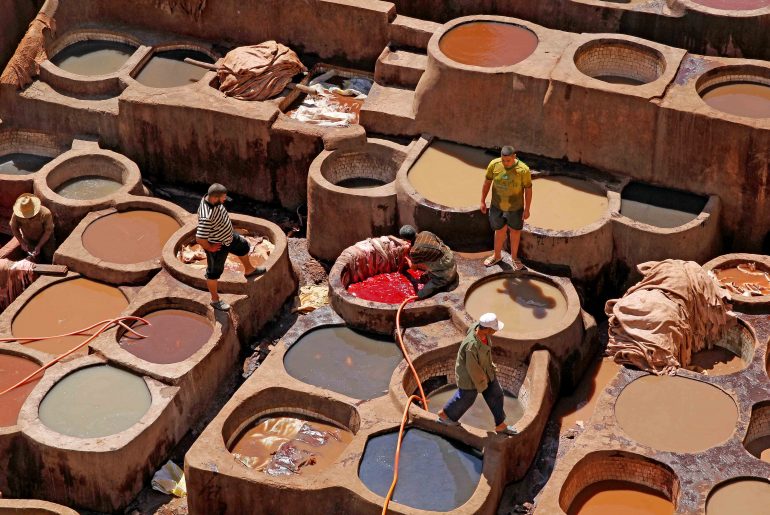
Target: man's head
{"x":489,"y":324}
{"x":508,"y":155}
{"x":408,"y":233}
{"x":217,"y":194}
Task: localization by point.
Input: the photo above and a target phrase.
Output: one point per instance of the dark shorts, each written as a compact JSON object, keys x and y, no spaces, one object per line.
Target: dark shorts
{"x":216,"y":260}
{"x":499,"y":219}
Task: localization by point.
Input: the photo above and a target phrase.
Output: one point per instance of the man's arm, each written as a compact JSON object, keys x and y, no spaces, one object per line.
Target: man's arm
{"x":17,"y":234}
{"x":484,"y":193}
{"x":47,"y":233}
{"x":478,"y":376}
{"x":207,"y":245}
{"x":527,"y":201}
{"x":202,"y":236}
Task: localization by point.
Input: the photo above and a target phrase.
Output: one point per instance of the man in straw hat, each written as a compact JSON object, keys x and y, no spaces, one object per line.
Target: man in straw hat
{"x":32,"y":226}
{"x":475,"y":372}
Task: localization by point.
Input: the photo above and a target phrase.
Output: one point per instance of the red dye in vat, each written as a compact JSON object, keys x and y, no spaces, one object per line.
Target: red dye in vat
{"x":390,"y":288}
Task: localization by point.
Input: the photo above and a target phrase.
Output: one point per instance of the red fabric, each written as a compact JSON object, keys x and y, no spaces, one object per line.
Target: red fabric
{"x":390,"y":288}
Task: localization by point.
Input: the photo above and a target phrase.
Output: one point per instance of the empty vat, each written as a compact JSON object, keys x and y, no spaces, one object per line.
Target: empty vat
{"x":524,"y":303}
{"x":479,"y":415}
{"x":95,"y":401}
{"x":660,"y":207}
{"x":12,"y":370}
{"x":734,"y":5}
{"x":285,"y":445}
{"x":450,"y":174}
{"x":614,"y":497}
{"x":93,"y":57}
{"x":260,"y":247}
{"x":344,"y":361}
{"x":565,"y":203}
{"x":619,"y":61}
{"x":172,"y":336}
{"x":20,"y":163}
{"x":488,"y":44}
{"x":167,"y":69}
{"x":671,"y":413}
{"x":757,"y":440}
{"x":88,"y":187}
{"x":741,"y":98}
{"x":434,"y":473}
{"x":129,"y":237}
{"x":747,"y":496}
{"x":67,"y":306}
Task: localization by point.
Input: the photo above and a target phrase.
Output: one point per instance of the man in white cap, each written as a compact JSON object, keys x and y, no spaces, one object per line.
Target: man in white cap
{"x":32,"y":225}
{"x":475,"y":372}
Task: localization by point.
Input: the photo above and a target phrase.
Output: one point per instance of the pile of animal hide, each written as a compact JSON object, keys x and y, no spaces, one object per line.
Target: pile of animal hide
{"x":25,"y":62}
{"x":373,"y":256}
{"x":259,"y":251}
{"x":675,"y":311}
{"x":15,"y":276}
{"x":258,"y":72}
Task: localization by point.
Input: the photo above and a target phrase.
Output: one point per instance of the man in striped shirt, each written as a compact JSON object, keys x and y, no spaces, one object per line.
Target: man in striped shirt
{"x":215,"y":234}
{"x":429,"y":253}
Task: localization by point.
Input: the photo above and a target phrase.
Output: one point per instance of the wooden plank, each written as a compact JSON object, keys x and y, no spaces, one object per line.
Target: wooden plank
{"x":50,"y":269}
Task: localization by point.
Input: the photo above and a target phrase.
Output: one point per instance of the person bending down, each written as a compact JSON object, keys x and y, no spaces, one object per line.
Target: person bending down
{"x":475,"y":372}
{"x":216,"y":235}
{"x":428,"y":253}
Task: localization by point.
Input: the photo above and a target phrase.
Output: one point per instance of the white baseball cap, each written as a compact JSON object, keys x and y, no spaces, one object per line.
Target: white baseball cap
{"x":490,"y":321}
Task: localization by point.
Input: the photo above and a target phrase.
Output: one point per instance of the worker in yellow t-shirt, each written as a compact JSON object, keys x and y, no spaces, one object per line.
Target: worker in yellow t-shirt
{"x":511,"y":184}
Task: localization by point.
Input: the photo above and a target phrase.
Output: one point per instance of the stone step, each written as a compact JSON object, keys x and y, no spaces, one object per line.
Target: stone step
{"x":412,"y":32}
{"x":389,"y":110}
{"x":400,"y":68}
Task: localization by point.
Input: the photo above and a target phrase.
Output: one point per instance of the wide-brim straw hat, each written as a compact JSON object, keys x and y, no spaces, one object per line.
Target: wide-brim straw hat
{"x":26,"y":206}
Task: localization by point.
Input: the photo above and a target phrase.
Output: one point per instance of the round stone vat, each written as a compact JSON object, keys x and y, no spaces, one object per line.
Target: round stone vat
{"x":363,"y":263}
{"x":439,"y":187}
{"x":165,"y":67}
{"x":746,"y":277}
{"x":621,"y":482}
{"x":60,"y":307}
{"x":92,"y":57}
{"x":619,"y":61}
{"x":33,"y":507}
{"x":676,"y":414}
{"x":95,"y":402}
{"x":351,"y":196}
{"x":138,"y":417}
{"x":757,"y":441}
{"x":13,"y":368}
{"x":83,"y":180}
{"x":124,"y":244}
{"x":435,"y":473}
{"x":742,"y":90}
{"x":660,"y":207}
{"x":745,"y":495}
{"x":344,"y":361}
{"x":729,"y":355}
{"x":734,"y":5}
{"x":488,"y":44}
{"x":569,"y":225}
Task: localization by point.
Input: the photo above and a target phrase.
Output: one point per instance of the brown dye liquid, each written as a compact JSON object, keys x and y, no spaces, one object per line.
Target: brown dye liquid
{"x":360,"y":183}
{"x":93,"y":57}
{"x":64,"y":307}
{"x":173,"y":336}
{"x":524,"y":304}
{"x":450,"y":175}
{"x":130,"y":237}
{"x":740,"y":98}
{"x":672,"y":413}
{"x":264,"y":439}
{"x":89,"y":187}
{"x":168,"y":69}
{"x":734,"y":5}
{"x":12,"y":370}
{"x":565,"y":203}
{"x":759,"y":279}
{"x":95,"y":401}
{"x":741,"y":497}
{"x":21,"y":164}
{"x":479,"y":415}
{"x":760,"y":448}
{"x":344,"y":361}
{"x":619,"y":79}
{"x":580,"y":405}
{"x":717,"y":361}
{"x":620,"y":497}
{"x":488,"y":44}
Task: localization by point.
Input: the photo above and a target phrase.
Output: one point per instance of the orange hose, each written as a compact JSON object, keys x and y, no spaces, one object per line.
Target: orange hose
{"x":105,"y":325}
{"x":79,"y":332}
{"x":422,"y":398}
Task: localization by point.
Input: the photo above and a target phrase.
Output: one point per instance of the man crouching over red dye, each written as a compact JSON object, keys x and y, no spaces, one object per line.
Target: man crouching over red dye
{"x":428,"y":253}
{"x":215,"y":234}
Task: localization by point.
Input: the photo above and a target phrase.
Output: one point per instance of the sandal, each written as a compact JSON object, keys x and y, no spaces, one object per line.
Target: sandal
{"x":448,"y":422}
{"x":508,"y":431}
{"x":221,"y":305}
{"x":491,"y":261}
{"x":517,"y":265}
{"x":260,"y":270}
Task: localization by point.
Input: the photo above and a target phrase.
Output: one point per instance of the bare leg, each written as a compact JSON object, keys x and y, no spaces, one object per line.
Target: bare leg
{"x":499,"y":241}
{"x":515,"y":238}
{"x":211,"y":284}
{"x":247,"y":266}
